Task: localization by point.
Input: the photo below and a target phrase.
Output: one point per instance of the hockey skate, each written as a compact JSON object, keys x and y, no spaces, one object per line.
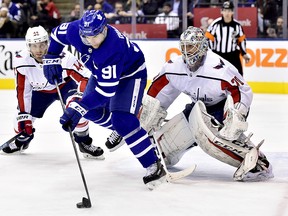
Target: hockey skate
{"x":114,"y":141}
{"x":255,"y":166}
{"x":261,"y":172}
{"x":16,"y":147}
{"x":88,"y":149}
{"x":155,"y":175}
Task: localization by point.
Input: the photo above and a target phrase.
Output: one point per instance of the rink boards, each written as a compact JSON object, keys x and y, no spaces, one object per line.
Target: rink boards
{"x":267,"y":72}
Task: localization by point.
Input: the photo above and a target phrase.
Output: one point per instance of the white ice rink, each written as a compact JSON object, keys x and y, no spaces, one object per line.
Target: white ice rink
{"x":45,"y":180}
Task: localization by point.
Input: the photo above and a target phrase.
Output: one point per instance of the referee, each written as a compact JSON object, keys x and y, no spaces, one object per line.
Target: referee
{"x":227,"y":38}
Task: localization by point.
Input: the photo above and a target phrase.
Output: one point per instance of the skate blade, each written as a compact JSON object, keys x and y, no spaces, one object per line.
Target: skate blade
{"x":154,"y":184}
{"x":117,"y":146}
{"x":88,"y":156}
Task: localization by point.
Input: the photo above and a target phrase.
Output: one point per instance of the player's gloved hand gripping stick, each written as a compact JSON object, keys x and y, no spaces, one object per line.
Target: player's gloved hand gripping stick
{"x":52,"y":68}
{"x":86,"y":202}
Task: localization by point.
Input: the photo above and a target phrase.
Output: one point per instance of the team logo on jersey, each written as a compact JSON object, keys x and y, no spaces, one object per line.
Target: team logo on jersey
{"x":220,"y":65}
{"x":38,"y":86}
{"x":99,"y":17}
{"x":198,"y":96}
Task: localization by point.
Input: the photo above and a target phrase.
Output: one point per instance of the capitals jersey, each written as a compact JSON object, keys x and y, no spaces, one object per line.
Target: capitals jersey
{"x":30,"y":77}
{"x":210,"y":83}
{"x":117,"y":58}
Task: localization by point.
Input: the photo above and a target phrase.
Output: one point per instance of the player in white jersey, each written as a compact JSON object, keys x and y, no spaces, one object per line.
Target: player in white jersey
{"x":216,"y":118}
{"x":35,"y":94}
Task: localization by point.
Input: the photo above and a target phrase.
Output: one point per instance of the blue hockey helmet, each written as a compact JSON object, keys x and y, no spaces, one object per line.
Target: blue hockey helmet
{"x":92,"y":23}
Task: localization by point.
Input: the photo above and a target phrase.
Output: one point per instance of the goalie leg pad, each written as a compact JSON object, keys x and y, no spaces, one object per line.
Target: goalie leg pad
{"x":242,"y":153}
{"x":175,"y":138}
{"x":205,"y":136}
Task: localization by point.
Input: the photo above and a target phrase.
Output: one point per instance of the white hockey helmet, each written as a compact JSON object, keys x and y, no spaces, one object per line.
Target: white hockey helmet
{"x":36,"y":35}
{"x":193,"y":46}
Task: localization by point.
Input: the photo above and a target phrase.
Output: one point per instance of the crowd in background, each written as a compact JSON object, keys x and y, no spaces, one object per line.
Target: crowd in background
{"x":16,"y":16}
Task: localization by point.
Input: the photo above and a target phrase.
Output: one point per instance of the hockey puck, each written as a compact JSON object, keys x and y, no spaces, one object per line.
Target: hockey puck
{"x":84,"y":204}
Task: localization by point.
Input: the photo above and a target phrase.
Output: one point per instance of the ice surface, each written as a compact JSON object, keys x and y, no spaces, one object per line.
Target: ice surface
{"x":45,"y":180}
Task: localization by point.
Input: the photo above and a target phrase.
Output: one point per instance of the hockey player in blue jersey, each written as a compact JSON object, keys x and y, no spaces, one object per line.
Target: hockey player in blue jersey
{"x":114,"y":92}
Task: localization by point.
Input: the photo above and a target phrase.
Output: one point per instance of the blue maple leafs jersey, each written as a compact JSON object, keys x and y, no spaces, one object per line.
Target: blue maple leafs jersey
{"x":116,"y":58}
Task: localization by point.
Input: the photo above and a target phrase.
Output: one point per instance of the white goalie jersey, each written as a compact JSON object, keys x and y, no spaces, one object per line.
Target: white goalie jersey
{"x":30,"y":76}
{"x":210,"y":83}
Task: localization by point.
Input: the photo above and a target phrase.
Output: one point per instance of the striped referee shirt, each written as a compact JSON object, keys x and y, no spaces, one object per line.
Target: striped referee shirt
{"x":226,"y":37}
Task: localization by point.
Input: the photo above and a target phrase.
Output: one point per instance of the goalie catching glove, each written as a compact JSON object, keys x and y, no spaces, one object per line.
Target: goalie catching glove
{"x":52,"y":68}
{"x":24,"y":121}
{"x":234,"y":120}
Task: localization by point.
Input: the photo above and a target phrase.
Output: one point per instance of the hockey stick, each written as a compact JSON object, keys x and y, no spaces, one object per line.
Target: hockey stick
{"x":86,"y":203}
{"x":172,"y":176}
{"x":6,"y":144}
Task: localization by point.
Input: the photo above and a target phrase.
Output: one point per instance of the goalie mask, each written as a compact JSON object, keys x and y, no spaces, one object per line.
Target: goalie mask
{"x":37,"y":41}
{"x":193,"y":47}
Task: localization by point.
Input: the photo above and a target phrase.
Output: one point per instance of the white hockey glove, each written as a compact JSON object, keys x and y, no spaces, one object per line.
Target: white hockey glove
{"x":235,"y":120}
{"x":152,"y":115}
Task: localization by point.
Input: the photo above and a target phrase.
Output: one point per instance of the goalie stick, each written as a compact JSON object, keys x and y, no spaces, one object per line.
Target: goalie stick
{"x":172,"y":176}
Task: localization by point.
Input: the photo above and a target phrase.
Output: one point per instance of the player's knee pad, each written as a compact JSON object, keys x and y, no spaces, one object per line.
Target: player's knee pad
{"x":124,"y":122}
{"x":175,"y":137}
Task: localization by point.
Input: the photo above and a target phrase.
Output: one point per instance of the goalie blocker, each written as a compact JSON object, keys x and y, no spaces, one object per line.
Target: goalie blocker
{"x":179,"y":135}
